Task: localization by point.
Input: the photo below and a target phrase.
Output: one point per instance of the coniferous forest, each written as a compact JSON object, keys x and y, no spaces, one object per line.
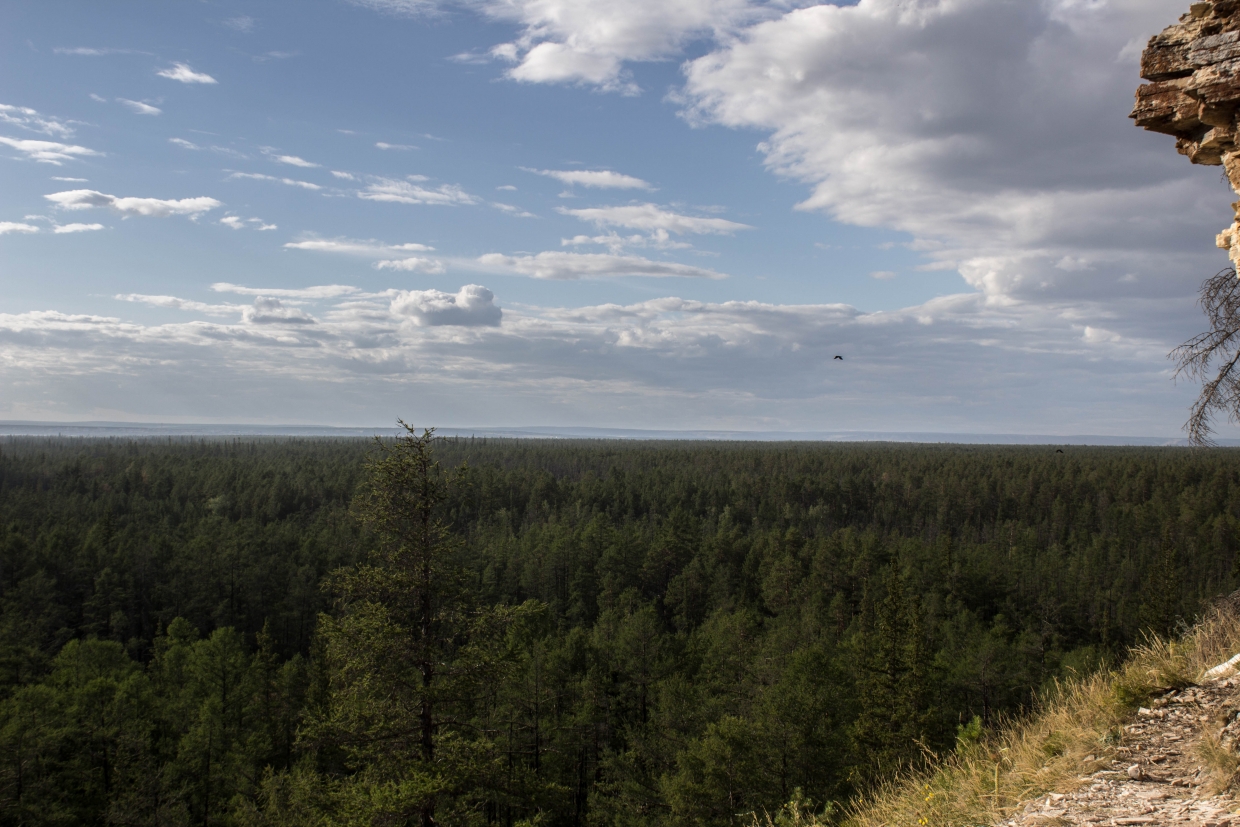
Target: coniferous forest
{"x":280,"y":632}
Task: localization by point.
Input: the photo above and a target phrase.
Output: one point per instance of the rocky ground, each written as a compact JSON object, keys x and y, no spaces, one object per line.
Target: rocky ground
{"x":1172,"y":765}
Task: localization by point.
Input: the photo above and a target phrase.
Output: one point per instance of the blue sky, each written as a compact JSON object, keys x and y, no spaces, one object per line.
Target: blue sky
{"x":576,"y":212}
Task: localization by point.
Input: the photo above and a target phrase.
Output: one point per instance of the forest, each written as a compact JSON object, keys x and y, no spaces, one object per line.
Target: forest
{"x":480,"y":632}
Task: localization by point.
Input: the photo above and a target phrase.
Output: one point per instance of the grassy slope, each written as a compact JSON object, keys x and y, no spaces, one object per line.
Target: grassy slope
{"x":1070,"y":736}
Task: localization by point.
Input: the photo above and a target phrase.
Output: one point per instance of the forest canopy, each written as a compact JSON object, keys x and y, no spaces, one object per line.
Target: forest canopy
{"x":224,"y":632}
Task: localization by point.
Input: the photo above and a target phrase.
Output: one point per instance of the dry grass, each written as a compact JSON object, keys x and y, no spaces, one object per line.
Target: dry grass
{"x":1221,"y":763}
{"x":1072,"y":734}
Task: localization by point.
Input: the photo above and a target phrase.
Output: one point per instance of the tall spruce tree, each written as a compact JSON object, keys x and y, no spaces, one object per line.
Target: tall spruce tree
{"x":893,"y":684}
{"x":407,"y":656}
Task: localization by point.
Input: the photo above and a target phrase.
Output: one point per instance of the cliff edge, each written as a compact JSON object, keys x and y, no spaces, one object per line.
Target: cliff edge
{"x":1194,"y":93}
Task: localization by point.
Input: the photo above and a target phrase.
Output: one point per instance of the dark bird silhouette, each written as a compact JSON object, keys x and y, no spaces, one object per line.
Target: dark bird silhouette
{"x":841,"y":358}
{"x":1058,"y":450}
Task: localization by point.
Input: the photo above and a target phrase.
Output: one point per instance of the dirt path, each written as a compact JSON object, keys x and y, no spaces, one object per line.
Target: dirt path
{"x":1157,"y":775}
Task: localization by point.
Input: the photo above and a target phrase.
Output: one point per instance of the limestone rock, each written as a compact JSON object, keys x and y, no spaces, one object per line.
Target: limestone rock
{"x":1194,"y":93}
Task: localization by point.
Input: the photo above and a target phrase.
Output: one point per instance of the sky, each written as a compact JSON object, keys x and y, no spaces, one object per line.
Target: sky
{"x":665,"y":214}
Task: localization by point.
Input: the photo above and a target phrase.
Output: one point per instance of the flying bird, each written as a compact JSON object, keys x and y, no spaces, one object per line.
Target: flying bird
{"x":841,"y":358}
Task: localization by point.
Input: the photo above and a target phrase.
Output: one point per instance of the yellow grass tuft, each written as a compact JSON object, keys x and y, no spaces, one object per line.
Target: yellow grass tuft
{"x":1073,"y":733}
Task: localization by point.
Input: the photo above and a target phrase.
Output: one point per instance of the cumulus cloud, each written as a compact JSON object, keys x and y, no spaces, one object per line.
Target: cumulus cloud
{"x":602,"y":179}
{"x":16,"y":227}
{"x":356,"y":247}
{"x":183,"y":73}
{"x":472,"y":306}
{"x":589,"y":41}
{"x":268,"y":310}
{"x":47,"y":152}
{"x":413,"y":264}
{"x":30,"y":119}
{"x":571,"y":266}
{"x":258,"y":176}
{"x":155,"y":207}
{"x":139,"y":108}
{"x":184,"y":144}
{"x":1012,"y":175}
{"x":405,"y":192}
{"x":652,"y":217}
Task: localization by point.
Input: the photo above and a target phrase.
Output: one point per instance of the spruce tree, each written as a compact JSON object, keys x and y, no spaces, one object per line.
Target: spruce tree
{"x":407,"y":654}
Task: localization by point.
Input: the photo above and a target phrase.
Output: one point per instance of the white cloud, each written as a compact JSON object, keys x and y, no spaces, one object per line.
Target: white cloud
{"x":589,"y":41}
{"x":183,"y":73}
{"x":660,"y":240}
{"x":404,"y":192}
{"x":512,"y":210}
{"x":322,"y":291}
{"x":267,"y":310}
{"x":16,"y":227}
{"x":26,"y":118}
{"x":507,"y":188}
{"x":348,"y":176}
{"x":292,"y":182}
{"x":883,"y":275}
{"x":651,"y":217}
{"x":48,"y":152}
{"x":238,"y":223}
{"x":385,"y":145}
{"x":72,"y":180}
{"x":222,"y":150}
{"x":98,"y":98}
{"x":406,"y":8}
{"x":174,"y":303}
{"x":1098,"y":335}
{"x":293,"y":160}
{"x":572,"y":266}
{"x":156,"y":207}
{"x":140,"y":108}
{"x":413,"y":264}
{"x":350,"y":246}
{"x":85,"y":51}
{"x":76,"y":228}
{"x":472,"y":306}
{"x":1025,"y":177}
{"x":602,"y":179}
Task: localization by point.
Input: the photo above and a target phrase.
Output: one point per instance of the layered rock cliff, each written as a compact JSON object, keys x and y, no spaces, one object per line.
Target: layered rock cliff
{"x":1194,"y":94}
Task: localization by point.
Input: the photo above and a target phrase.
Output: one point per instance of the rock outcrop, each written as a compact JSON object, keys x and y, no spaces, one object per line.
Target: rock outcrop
{"x":1194,"y":94}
